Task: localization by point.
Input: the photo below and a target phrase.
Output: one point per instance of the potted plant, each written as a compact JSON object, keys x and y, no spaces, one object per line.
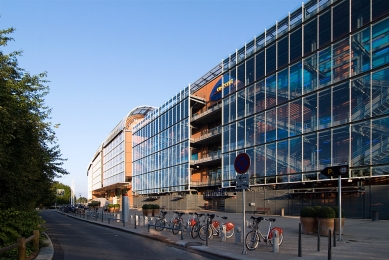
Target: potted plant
{"x":156,"y":209}
{"x":94,"y":204}
{"x":325,"y":219}
{"x":308,"y":220}
{"x":336,"y":209}
{"x":110,"y":207}
{"x":147,"y":210}
{"x":116,"y":207}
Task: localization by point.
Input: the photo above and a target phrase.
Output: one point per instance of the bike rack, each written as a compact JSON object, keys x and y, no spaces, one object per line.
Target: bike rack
{"x":181,"y":230}
{"x":124,"y":223}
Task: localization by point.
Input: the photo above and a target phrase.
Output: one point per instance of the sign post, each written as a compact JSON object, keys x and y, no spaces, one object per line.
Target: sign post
{"x":241,"y":165}
{"x":337,"y":171}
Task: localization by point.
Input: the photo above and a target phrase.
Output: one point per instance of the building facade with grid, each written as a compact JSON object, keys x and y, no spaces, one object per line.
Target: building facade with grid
{"x":308,"y":93}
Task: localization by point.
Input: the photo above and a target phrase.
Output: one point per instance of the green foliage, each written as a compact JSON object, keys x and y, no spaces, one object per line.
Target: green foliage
{"x":155,"y":206}
{"x":15,"y":224}
{"x":317,"y":208}
{"x":94,"y":203}
{"x":308,"y":212}
{"x":336,"y":209}
{"x":146,"y":206}
{"x":326,"y":212}
{"x":30,"y":158}
{"x":110,"y":206}
{"x":116,"y":206}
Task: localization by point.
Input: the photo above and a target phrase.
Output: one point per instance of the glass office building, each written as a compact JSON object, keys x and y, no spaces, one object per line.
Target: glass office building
{"x":308,"y":93}
{"x":160,"y":148}
{"x":311,"y":92}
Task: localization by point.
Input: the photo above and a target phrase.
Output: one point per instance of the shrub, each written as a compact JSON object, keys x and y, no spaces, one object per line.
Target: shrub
{"x":14,"y":224}
{"x":116,"y":206}
{"x":155,"y":206}
{"x":326,"y":212}
{"x":317,"y":208}
{"x":94,"y":203}
{"x":336,"y":209}
{"x":110,"y":206}
{"x":308,"y":212}
{"x":146,"y":206}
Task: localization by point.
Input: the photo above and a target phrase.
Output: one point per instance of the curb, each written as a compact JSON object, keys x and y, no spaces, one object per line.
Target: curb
{"x":47,"y":252}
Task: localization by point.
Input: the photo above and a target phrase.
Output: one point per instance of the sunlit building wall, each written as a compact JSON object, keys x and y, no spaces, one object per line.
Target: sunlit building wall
{"x":160,"y":148}
{"x":312,"y":91}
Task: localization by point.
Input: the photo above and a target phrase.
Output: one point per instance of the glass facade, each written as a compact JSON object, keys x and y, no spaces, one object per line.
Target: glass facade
{"x":311,"y":92}
{"x":160,"y":148}
{"x":114,"y":156}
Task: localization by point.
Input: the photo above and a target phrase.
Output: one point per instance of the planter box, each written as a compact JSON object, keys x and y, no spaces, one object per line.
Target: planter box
{"x":325,"y":224}
{"x":308,"y":225}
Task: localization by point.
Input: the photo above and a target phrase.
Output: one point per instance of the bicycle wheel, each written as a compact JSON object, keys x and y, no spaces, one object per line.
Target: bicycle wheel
{"x":252,"y":240}
{"x":160,"y":225}
{"x":280,"y":238}
{"x":203,"y":232}
{"x":195,"y":231}
{"x":93,"y":215}
{"x":229,"y":233}
{"x":176,"y":228}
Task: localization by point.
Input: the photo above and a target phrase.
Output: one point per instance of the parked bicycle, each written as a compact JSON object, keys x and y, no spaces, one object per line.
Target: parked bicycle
{"x":215,"y":228}
{"x":161,"y":221}
{"x":93,"y":214}
{"x":178,"y":223}
{"x":254,"y":236}
{"x":198,"y":221}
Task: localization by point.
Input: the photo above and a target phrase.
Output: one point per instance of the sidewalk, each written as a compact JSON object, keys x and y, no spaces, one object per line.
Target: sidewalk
{"x":362,"y":239}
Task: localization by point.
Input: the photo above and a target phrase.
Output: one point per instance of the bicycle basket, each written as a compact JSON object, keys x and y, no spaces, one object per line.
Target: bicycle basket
{"x":229,"y":226}
{"x":192,"y":222}
{"x":280,"y":231}
{"x":215,"y":223}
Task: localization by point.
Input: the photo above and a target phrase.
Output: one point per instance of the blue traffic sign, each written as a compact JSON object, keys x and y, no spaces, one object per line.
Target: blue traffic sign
{"x":242,"y":163}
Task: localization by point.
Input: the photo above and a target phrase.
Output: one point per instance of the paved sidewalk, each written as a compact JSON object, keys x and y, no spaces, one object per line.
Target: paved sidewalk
{"x":362,"y":239}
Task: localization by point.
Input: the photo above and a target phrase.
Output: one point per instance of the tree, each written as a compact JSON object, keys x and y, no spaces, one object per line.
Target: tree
{"x":30,"y":158}
{"x":82,"y":200}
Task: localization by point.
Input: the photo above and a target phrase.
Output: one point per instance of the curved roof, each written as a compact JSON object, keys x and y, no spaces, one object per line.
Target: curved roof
{"x":136,"y":113}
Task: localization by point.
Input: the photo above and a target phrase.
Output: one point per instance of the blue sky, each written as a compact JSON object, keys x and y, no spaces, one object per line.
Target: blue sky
{"x":104,"y":58}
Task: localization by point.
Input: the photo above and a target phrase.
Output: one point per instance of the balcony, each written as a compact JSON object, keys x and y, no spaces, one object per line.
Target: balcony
{"x":208,"y":136}
{"x":208,"y":159}
{"x":206,"y":183}
{"x":211,"y":114}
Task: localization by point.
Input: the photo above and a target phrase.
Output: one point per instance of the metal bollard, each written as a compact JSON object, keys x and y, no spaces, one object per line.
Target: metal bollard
{"x":329,"y":245}
{"x":299,"y":246}
{"x":318,"y":236}
{"x":146,"y":221}
{"x":276,"y":240}
{"x":223,"y":236}
{"x":136,"y":220}
{"x":188,"y":230}
{"x":238,"y":235}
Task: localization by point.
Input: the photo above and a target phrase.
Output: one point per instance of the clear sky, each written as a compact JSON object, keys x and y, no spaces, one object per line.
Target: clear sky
{"x":106,"y":57}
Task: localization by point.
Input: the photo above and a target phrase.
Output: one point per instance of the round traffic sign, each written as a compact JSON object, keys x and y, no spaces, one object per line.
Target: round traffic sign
{"x":242,"y":163}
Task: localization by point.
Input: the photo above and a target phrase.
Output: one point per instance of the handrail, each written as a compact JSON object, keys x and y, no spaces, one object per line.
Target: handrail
{"x":21,"y":245}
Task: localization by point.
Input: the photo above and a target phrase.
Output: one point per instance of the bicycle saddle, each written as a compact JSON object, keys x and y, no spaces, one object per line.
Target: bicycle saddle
{"x":271,"y":219}
{"x":257,"y":218}
{"x":164,"y":212}
{"x":224,"y":218}
{"x":180,"y":213}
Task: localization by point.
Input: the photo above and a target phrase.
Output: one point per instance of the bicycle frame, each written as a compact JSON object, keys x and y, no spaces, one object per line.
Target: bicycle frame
{"x":253,"y":237}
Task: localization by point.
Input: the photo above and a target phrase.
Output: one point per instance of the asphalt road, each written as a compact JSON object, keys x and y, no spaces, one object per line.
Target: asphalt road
{"x":73,"y":239}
